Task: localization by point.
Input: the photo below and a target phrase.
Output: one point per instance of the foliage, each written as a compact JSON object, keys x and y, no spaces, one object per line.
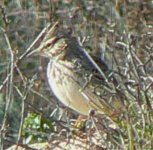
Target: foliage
{"x":118,"y":31}
{"x":34,"y":128}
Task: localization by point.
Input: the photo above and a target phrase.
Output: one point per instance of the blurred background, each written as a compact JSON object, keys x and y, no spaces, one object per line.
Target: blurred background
{"x":118,"y":31}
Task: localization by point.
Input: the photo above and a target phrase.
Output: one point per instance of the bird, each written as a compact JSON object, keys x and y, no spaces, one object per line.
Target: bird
{"x":80,"y":80}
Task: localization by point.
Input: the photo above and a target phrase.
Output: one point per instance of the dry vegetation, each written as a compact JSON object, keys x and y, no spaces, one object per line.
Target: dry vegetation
{"x":119,"y":31}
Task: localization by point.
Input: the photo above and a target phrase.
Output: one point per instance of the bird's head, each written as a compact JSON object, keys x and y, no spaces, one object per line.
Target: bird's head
{"x":54,"y":44}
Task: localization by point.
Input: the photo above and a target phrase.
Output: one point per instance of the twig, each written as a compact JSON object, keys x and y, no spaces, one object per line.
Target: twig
{"x":23,"y":96}
{"x":24,"y":54}
{"x":34,"y":42}
{"x":10,"y":86}
{"x":21,"y":145}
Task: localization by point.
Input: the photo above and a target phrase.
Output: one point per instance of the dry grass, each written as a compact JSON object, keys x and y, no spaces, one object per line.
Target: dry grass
{"x":121,"y":32}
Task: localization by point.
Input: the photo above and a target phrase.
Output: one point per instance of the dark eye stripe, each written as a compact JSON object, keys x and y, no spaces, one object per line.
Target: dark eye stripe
{"x":50,"y":42}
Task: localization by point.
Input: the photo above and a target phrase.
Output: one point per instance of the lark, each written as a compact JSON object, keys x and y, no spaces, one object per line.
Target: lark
{"x":78,"y":79}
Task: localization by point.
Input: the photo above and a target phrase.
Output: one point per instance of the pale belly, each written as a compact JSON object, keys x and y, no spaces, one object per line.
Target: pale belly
{"x":66,"y":89}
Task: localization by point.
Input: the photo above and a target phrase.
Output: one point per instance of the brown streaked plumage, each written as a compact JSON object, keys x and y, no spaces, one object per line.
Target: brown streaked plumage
{"x":78,"y":80}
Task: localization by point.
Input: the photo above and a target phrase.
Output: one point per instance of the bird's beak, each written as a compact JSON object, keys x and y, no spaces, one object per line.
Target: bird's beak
{"x":34,"y":52}
{"x":48,"y":39}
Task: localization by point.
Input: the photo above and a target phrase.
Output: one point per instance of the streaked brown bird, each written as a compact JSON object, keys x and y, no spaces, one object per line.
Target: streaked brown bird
{"x":80,"y":81}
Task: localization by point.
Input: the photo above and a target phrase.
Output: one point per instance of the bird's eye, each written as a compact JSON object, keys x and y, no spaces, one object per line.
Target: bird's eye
{"x":50,"y":42}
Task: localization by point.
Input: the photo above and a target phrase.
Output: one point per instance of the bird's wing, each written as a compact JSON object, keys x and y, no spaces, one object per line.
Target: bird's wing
{"x":101,"y":94}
